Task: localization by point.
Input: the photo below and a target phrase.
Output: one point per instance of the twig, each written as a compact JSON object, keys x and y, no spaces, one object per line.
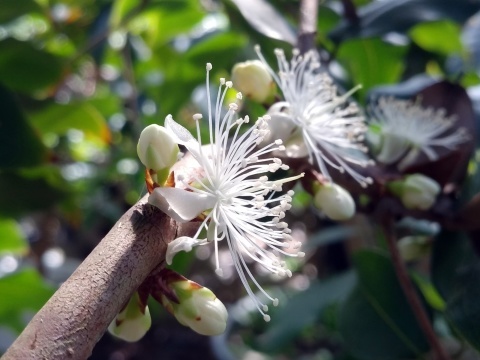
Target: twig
{"x":308,"y":25}
{"x":78,"y":314}
{"x":410,"y":293}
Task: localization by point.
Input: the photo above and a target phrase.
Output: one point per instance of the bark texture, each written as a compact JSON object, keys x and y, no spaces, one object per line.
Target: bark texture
{"x":77,"y":315}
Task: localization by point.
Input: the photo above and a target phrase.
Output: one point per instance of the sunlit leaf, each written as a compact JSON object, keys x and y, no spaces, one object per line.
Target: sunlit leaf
{"x":24,"y":293}
{"x":11,"y":238}
{"x":371,"y":62}
{"x":83,"y":116}
{"x":439,"y":36}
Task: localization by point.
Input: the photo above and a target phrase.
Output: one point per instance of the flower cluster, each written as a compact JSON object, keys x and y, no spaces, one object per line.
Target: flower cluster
{"x":314,"y":120}
{"x":234,"y":197}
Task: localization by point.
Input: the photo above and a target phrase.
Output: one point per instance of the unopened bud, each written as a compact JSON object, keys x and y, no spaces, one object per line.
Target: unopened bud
{"x":132,"y":322}
{"x":253,"y":80}
{"x":197,"y":307}
{"x":334,"y":201}
{"x":416,"y":191}
{"x":156,"y":148}
{"x":413,"y":247}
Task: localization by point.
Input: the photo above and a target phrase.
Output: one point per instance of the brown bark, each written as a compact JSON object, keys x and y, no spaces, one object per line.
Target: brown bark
{"x":76,"y":317}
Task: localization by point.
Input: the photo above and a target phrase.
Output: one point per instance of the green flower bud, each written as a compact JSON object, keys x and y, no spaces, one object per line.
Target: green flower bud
{"x":416,"y":191}
{"x":132,"y":322}
{"x":254,"y":81}
{"x":334,"y":201}
{"x":197,"y":307}
{"x":156,"y":148}
{"x":413,"y":247}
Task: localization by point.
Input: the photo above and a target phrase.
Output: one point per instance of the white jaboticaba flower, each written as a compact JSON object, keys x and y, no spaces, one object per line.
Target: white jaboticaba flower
{"x":237,"y":200}
{"x":407,"y":129}
{"x":314,"y":120}
{"x":334,"y":201}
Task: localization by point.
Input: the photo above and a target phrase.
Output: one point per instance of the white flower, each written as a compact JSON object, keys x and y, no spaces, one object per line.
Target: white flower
{"x":325,"y":128}
{"x":235,"y":196}
{"x":407,"y":129}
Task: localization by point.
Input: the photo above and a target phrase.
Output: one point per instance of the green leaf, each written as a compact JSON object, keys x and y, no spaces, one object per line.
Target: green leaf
{"x":19,"y":144}
{"x":381,"y":17}
{"x":27,"y":69}
{"x":438,"y":36}
{"x":376,"y":321}
{"x":371,"y":62}
{"x":30,"y":189}
{"x":303,"y":310}
{"x":24,"y":291}
{"x":11,"y":238}
{"x":264,"y":18}
{"x":219,"y":49}
{"x":58,"y":119}
{"x":11,"y":9}
{"x":456,"y":274}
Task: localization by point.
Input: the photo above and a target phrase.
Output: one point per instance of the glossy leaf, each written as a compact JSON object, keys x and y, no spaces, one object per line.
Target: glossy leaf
{"x":439,"y":36}
{"x":371,"y":62}
{"x":304,"y":309}
{"x":266,"y":20}
{"x":456,"y":274}
{"x":21,"y":146}
{"x":12,"y":239}
{"x":381,"y":17}
{"x":27,"y":69}
{"x":376,"y":321}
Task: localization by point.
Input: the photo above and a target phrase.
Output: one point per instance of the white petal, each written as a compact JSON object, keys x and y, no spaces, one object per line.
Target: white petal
{"x":182,"y":136}
{"x":183,"y":243}
{"x":393,"y":148}
{"x":179,"y":204}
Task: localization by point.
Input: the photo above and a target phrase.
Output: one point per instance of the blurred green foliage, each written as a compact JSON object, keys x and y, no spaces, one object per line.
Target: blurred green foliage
{"x":80,"y":79}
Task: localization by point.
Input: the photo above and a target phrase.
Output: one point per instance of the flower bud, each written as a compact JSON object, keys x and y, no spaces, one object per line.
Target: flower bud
{"x":253,"y":80}
{"x":413,"y":247}
{"x":197,"y":307}
{"x":416,"y":191}
{"x":156,"y":148}
{"x":334,"y":201}
{"x":132,"y":322}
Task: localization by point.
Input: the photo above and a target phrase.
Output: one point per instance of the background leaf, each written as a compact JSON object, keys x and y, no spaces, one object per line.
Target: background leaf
{"x":21,"y":145}
{"x":376,"y":321}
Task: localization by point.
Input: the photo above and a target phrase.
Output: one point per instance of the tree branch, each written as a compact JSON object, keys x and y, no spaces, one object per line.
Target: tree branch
{"x":411,"y":294}
{"x":308,"y":25}
{"x":77,"y":315}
